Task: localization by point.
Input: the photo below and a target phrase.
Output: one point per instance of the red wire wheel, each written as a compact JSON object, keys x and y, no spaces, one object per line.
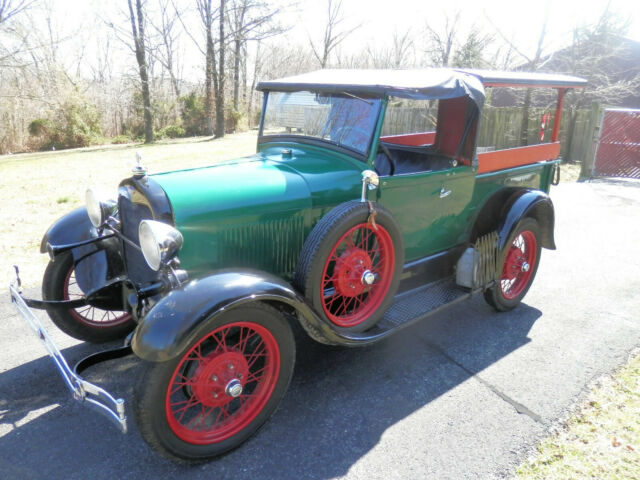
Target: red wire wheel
{"x":518,"y":265}
{"x":521,"y":259}
{"x":88,"y":323}
{"x":220,"y":388}
{"x":222,"y":383}
{"x":350,"y":265}
{"x":357,"y":274}
{"x":88,"y":314}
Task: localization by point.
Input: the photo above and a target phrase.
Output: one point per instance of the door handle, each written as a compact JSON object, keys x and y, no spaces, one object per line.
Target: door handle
{"x":444,"y":193}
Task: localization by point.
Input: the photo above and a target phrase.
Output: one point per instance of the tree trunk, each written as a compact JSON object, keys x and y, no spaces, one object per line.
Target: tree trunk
{"x":209,"y":69}
{"x":237,"y":53}
{"x":220,"y":86}
{"x":138,"y":38}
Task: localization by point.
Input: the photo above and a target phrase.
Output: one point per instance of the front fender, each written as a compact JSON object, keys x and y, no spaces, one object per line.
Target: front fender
{"x":95,"y":264}
{"x":182,"y":316}
{"x":73,"y":227}
{"x":528,"y":203}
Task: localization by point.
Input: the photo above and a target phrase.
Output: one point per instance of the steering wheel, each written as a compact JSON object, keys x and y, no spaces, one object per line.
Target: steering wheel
{"x":387,"y":153}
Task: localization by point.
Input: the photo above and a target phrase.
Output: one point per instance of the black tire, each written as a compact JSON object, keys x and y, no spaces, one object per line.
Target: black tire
{"x":315,"y":263}
{"x":500,"y":296}
{"x":86,"y":323}
{"x":170,"y":433}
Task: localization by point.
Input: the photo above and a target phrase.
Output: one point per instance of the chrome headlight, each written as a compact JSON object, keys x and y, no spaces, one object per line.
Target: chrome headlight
{"x":159,"y":242}
{"x":99,"y":209}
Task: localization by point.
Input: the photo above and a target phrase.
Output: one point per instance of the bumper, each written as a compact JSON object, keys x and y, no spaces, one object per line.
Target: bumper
{"x":83,"y":391}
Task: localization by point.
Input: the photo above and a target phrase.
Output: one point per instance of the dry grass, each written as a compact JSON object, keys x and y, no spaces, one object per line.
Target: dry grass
{"x":38,"y":188}
{"x":602,"y":438}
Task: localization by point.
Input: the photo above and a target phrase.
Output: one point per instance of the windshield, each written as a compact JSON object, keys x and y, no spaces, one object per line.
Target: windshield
{"x":342,"y":119}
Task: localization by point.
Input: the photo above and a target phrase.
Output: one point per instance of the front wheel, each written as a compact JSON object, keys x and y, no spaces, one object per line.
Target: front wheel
{"x":221,"y":388}
{"x":87,"y":323}
{"x":520,"y":261}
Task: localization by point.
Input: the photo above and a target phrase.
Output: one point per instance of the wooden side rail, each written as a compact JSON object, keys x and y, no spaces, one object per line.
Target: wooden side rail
{"x":516,"y":157}
{"x":411,"y":139}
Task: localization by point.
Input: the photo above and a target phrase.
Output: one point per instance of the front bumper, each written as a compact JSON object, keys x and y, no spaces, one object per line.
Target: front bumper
{"x":83,"y":391}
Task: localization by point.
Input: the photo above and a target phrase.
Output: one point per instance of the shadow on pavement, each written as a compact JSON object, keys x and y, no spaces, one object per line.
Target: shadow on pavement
{"x":339,"y":404}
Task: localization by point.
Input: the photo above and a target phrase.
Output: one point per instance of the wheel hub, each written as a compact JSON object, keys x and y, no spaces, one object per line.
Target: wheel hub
{"x":233,"y":388}
{"x":219,"y":380}
{"x":353,"y":272}
{"x":514,"y":264}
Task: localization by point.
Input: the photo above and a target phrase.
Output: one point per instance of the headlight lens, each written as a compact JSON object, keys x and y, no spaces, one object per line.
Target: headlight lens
{"x":97,"y":209}
{"x":159,"y":242}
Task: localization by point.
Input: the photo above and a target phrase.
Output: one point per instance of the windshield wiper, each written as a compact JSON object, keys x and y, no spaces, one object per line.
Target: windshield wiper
{"x":368,"y":102}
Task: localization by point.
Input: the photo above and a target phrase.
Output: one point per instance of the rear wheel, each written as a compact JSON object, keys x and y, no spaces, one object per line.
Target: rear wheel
{"x":87,"y":323}
{"x":221,"y":388}
{"x":520,"y":264}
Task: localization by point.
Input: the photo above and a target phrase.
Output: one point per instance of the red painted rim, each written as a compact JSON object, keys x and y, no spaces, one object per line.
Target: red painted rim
{"x":347,"y":300}
{"x":90,"y":315}
{"x":518,"y":265}
{"x":199,"y":406}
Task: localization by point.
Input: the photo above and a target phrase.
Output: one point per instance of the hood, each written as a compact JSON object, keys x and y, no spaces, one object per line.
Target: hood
{"x":256,"y":211}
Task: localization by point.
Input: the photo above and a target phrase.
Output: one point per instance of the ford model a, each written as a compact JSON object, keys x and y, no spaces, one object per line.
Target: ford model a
{"x":349,"y":222}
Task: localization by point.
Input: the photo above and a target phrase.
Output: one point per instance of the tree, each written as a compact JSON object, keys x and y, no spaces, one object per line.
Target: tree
{"x":440,"y":43}
{"x":334,"y":34}
{"x":533,"y":63}
{"x":165,"y":52}
{"x":137,"y":30}
{"x":471,"y":53}
{"x":249,"y":20}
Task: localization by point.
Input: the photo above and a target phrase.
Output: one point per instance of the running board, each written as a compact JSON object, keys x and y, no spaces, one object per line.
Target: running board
{"x":414,"y":305}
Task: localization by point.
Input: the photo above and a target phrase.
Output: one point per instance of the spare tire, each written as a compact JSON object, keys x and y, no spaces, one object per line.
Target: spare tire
{"x":349,"y":267}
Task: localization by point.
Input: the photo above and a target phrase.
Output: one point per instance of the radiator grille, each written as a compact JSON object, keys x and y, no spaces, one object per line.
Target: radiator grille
{"x":131,"y":214}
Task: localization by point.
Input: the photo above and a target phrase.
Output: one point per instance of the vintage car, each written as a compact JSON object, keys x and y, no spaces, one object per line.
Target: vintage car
{"x":349,"y":220}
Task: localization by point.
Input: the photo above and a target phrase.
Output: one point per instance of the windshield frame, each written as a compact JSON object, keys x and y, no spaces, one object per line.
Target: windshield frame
{"x":319,"y":141}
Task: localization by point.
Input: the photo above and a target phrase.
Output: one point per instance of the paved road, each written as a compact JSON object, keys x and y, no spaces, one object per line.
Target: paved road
{"x":464,"y":394}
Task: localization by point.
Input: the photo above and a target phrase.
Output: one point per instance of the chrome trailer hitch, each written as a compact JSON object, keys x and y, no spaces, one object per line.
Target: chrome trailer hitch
{"x":83,"y":391}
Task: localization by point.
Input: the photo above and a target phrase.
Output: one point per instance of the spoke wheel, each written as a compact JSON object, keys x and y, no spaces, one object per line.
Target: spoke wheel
{"x":520,"y":263}
{"x":357,"y":274}
{"x":88,"y":314}
{"x":221,"y":387}
{"x":349,"y":267}
{"x":517,"y":269}
{"x":222,"y":383}
{"x":86,"y":323}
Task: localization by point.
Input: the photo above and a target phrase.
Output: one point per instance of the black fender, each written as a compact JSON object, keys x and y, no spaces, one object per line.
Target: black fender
{"x":184,"y":313}
{"x":97,"y":263}
{"x":528,"y":203}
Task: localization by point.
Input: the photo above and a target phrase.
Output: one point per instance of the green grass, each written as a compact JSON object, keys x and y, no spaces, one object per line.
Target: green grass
{"x":38,"y":188}
{"x":601,"y":439}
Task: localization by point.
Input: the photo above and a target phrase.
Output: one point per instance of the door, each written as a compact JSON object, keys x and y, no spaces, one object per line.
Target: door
{"x":431,"y":208}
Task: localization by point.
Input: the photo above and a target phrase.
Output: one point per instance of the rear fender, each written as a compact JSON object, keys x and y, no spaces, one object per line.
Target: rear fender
{"x":96,"y":264}
{"x":185,"y":313}
{"x":527,"y":203}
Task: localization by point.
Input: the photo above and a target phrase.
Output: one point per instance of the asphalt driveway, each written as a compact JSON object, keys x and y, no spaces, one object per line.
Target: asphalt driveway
{"x":464,"y":394}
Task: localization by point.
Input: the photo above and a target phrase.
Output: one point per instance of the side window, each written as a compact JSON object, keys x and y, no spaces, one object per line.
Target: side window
{"x":426,"y":135}
{"x":404,"y":117}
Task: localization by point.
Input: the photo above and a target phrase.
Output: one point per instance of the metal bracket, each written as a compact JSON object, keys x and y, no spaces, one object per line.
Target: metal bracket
{"x":84,"y":392}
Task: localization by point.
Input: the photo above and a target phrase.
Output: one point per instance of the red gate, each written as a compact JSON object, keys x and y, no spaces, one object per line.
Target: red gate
{"x":618,"y":151}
